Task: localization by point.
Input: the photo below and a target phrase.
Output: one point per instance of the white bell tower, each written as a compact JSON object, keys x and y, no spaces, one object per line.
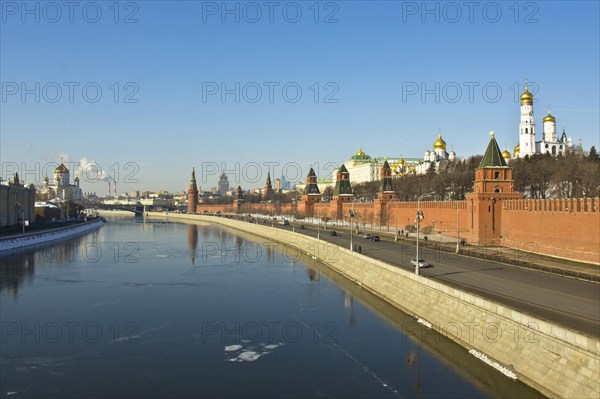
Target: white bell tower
{"x":550,"y":128}
{"x":527,"y":126}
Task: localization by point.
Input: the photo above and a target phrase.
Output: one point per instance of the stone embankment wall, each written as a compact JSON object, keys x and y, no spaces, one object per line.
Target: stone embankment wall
{"x":554,"y":360}
{"x":42,"y":237}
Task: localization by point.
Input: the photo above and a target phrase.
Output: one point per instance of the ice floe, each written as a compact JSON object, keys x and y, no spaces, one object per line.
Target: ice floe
{"x":249,"y":353}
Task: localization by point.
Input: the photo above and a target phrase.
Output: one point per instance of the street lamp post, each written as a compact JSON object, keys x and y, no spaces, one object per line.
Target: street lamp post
{"x":318,"y":225}
{"x":272,"y":214}
{"x":396,"y":211}
{"x":293,"y":216}
{"x":457,"y":231}
{"x":351,"y":214}
{"x":420,"y":217}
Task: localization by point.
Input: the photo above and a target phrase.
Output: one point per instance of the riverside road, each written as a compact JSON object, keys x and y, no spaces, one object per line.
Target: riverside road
{"x":568,"y":302}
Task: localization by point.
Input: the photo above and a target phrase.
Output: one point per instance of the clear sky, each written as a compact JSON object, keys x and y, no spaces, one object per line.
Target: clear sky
{"x":369,"y":74}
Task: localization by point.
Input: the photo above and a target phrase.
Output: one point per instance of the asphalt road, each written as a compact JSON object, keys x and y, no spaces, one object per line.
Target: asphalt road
{"x":568,"y":302}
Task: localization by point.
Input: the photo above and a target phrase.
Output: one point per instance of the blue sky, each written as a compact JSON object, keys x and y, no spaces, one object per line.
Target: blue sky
{"x":355,"y":68}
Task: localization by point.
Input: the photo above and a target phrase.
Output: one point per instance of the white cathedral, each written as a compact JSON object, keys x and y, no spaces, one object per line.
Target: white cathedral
{"x":550,"y":142}
{"x":61,"y":188}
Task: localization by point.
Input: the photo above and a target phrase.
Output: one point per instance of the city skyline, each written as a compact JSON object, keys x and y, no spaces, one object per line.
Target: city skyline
{"x":374,"y":89}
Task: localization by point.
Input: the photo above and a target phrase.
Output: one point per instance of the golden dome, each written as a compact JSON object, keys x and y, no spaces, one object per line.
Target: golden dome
{"x":401,"y":161}
{"x":505,"y":154}
{"x":61,"y":169}
{"x":517,"y":150}
{"x":360,"y":156}
{"x":526,"y":97}
{"x":439,"y":143}
{"x":549,"y":118}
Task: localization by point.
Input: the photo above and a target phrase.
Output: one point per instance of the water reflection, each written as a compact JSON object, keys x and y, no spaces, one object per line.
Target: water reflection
{"x":15,"y":271}
{"x":313,"y":275}
{"x":349,"y":305}
{"x":18,"y":266}
{"x":193,"y":241}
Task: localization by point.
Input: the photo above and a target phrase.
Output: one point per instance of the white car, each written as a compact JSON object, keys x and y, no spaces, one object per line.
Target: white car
{"x":421,"y":263}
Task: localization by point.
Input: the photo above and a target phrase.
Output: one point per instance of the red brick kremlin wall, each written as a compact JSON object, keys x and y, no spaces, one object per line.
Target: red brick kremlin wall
{"x":567,"y":228}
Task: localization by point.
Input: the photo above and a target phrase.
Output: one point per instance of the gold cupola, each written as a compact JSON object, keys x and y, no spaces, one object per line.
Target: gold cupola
{"x":549,"y":118}
{"x":61,"y":169}
{"x":517,"y":150}
{"x":506,"y":154}
{"x":439,"y":143}
{"x":526,"y":97}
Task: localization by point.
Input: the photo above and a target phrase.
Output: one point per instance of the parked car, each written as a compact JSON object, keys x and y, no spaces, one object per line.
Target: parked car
{"x":367,"y":236}
{"x":333,"y":233}
{"x":421,"y":263}
{"x":375,"y":238}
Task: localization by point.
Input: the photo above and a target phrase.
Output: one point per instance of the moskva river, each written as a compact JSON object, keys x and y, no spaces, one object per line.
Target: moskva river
{"x":153,"y":309}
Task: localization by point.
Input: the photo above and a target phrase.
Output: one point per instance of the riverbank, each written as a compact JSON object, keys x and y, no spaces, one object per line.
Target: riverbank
{"x":554,"y":360}
{"x":18,"y":241}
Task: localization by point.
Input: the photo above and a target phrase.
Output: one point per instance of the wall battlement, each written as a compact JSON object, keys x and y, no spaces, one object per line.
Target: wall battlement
{"x":591,"y":205}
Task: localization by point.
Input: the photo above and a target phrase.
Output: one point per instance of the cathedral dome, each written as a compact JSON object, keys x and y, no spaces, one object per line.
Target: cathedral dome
{"x":517,"y":150}
{"x":360,"y":156}
{"x":549,"y":118}
{"x":61,"y":169}
{"x":505,"y":154}
{"x":439,"y":143}
{"x":526,"y":97}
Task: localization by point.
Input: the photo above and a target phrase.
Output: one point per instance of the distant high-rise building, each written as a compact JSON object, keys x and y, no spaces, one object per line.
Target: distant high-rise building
{"x":284,"y":183}
{"x":223,"y":184}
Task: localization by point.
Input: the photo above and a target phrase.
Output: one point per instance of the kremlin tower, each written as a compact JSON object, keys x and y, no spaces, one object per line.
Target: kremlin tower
{"x":268,"y":190}
{"x":192,"y":193}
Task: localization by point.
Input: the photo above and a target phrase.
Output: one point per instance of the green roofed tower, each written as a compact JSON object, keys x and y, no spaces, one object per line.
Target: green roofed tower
{"x":342,"y":184}
{"x":493,"y":174}
{"x":386,"y":189}
{"x":493,"y":156}
{"x":312,"y":188}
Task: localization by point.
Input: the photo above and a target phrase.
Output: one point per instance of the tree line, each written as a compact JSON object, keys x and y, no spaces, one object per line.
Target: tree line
{"x":571,"y":175}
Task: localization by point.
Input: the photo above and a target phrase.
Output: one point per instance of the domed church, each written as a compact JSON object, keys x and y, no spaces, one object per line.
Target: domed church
{"x":61,"y":188}
{"x":550,"y":142}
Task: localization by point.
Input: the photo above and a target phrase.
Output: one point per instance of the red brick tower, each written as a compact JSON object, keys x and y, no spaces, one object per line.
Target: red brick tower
{"x":342,"y":191}
{"x":268,"y":191}
{"x":493,"y":184}
{"x":386,"y":190}
{"x":192,"y":193}
{"x":239,"y":200}
{"x":312,"y":194}
{"x":385,"y":194}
